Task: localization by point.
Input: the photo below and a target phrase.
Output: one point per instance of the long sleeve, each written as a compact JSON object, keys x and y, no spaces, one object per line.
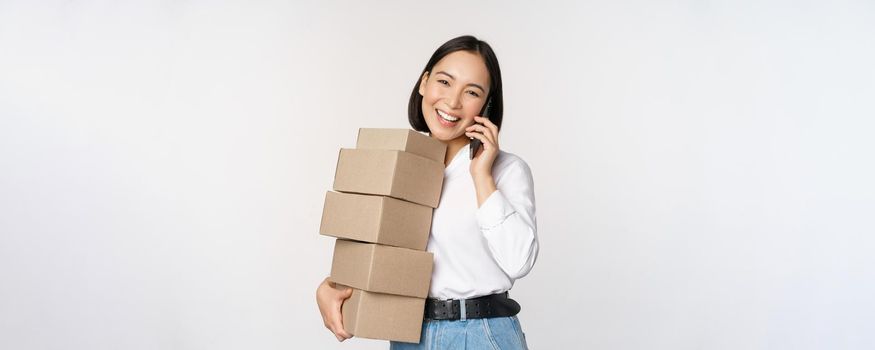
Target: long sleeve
{"x":507,"y":219}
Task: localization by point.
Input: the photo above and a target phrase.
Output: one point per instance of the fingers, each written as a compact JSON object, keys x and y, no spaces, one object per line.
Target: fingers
{"x":337,"y":328}
{"x":334,"y":323}
{"x":337,"y":315}
{"x":487,"y":128}
{"x":330,"y":298}
{"x":487,"y":144}
{"x":482,"y":130}
{"x":345,"y":294}
{"x":340,"y":333}
{"x":488,"y":123}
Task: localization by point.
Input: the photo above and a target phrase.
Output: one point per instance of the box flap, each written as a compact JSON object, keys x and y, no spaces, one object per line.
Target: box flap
{"x":402,"y":140}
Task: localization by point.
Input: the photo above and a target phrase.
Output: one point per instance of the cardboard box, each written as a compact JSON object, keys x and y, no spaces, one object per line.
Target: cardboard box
{"x":382,"y":269}
{"x":383,"y":316}
{"x":402,"y":140}
{"x":396,"y":174}
{"x":376,"y":219}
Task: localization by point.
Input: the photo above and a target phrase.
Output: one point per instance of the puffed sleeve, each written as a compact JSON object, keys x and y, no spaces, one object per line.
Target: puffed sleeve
{"x":507,"y":219}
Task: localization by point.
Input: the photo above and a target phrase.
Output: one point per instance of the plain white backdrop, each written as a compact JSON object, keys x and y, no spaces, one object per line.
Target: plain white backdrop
{"x":703,"y":169}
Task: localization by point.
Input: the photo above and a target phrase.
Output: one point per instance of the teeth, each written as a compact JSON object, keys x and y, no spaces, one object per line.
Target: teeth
{"x":447,"y":117}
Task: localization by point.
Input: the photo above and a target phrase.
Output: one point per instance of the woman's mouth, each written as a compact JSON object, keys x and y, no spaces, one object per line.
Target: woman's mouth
{"x":446,"y":119}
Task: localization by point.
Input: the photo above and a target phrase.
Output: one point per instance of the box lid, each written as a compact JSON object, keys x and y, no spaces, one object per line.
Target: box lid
{"x":406,"y":140}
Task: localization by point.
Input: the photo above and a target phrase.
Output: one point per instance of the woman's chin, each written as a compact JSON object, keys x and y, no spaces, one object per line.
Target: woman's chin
{"x":445,"y":135}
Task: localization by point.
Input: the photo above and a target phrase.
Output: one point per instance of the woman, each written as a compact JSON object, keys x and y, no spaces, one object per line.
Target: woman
{"x":484,"y":231}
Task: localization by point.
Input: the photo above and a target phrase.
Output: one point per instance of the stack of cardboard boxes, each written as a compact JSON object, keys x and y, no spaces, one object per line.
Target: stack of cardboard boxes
{"x":381,"y":214}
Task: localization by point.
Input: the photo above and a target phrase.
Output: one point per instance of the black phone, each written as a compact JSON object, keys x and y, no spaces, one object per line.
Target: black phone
{"x":476,"y":143}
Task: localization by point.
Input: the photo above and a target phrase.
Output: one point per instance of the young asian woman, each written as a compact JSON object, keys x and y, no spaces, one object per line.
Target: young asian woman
{"x":484,"y":231}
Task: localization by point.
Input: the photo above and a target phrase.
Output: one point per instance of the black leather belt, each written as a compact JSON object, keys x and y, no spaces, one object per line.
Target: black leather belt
{"x":495,"y":305}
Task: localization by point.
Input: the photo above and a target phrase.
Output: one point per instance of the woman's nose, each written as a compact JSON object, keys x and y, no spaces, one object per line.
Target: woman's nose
{"x":454,"y":101}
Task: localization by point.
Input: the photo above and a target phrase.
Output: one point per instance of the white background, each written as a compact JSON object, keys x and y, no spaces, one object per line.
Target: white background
{"x":704,"y":169}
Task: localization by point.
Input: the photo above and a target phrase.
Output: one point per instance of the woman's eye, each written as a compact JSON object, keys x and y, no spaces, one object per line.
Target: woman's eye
{"x":472,"y":93}
{"x":442,"y":81}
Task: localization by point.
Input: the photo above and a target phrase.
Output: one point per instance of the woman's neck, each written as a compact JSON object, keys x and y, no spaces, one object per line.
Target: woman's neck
{"x":453,"y":148}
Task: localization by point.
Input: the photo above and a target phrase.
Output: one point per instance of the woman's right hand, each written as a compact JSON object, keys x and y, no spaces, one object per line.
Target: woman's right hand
{"x":330,"y":299}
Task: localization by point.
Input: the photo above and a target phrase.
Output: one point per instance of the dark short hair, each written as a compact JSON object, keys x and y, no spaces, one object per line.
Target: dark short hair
{"x":462,"y":43}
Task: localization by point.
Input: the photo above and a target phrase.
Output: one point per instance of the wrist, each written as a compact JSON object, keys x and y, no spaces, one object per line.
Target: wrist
{"x":485,"y":183}
{"x":481,"y":177}
{"x":484,"y":187}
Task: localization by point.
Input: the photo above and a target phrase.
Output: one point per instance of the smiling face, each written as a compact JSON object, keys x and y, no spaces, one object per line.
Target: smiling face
{"x":453,"y":92}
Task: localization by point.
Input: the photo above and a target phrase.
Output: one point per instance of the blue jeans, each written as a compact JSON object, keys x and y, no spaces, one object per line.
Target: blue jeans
{"x":498,"y":333}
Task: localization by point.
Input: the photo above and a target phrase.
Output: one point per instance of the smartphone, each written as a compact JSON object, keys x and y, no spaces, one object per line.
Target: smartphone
{"x":476,"y":143}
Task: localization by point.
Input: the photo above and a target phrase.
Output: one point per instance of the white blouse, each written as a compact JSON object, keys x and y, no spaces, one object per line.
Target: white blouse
{"x":481,"y":251}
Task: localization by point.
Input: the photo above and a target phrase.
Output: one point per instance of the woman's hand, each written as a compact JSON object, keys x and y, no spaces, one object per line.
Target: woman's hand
{"x":330,"y":298}
{"x":481,"y":165}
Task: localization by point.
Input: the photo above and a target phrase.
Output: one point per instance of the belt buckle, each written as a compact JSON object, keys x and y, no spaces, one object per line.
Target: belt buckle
{"x":463,"y":313}
{"x":452,"y":309}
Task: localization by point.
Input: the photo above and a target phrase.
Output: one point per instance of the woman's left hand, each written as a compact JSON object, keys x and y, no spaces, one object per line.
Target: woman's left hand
{"x":481,"y":165}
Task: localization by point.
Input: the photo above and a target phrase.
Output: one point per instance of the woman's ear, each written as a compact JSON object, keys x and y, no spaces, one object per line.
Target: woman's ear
{"x":422,"y":83}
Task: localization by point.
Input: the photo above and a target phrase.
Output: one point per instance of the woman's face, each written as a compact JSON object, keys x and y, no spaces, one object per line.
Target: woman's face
{"x":453,"y":92}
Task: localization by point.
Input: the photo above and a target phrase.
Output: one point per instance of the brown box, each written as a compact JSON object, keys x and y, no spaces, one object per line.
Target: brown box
{"x":383,"y":316}
{"x":397,"y":174}
{"x":376,"y":219}
{"x":402,"y":140}
{"x":382,"y":269}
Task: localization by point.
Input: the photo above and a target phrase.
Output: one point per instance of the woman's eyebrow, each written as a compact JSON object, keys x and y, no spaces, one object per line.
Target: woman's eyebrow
{"x":447,"y":74}
{"x":454,"y":78}
{"x":477,"y":86}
